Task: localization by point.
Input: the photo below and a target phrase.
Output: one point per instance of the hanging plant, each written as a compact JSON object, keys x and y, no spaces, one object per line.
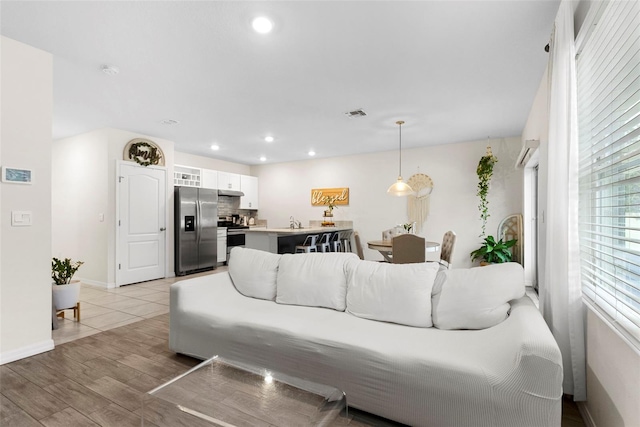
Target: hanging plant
{"x":485,"y":171}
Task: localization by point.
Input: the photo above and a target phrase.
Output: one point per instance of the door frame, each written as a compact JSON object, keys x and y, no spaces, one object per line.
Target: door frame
{"x":118,"y":166}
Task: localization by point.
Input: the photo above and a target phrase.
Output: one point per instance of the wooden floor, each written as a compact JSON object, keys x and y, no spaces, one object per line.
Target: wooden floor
{"x":100,"y":380}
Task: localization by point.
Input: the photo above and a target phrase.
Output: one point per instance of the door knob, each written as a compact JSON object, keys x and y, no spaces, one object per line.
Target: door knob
{"x":162,"y":228}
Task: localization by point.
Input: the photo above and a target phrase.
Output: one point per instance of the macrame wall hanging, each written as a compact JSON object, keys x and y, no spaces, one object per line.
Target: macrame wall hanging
{"x":418,"y":203}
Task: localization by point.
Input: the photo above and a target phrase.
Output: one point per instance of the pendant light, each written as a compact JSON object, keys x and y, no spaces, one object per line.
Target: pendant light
{"x":400,"y":188}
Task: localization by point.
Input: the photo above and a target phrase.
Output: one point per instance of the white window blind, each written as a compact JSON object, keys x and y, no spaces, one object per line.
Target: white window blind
{"x":608,"y":78}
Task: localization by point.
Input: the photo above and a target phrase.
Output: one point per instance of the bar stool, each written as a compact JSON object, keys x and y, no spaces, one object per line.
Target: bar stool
{"x":309,"y":244}
{"x":336,"y":244}
{"x":325,"y":242}
{"x":345,"y":238}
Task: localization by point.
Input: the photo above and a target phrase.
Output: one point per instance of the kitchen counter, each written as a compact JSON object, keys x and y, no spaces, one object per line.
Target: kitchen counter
{"x":291,"y":231}
{"x":283,"y":240}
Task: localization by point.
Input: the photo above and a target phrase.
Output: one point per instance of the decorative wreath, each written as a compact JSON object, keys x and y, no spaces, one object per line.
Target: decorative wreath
{"x":152,"y":155}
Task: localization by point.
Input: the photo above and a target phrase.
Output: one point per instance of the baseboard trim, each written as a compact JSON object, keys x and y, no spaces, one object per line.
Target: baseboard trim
{"x":98,"y":284}
{"x":585,"y":414}
{"x":27,"y":351}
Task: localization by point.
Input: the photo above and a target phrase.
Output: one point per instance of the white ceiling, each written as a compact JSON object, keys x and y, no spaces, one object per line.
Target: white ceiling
{"x":453,"y":70}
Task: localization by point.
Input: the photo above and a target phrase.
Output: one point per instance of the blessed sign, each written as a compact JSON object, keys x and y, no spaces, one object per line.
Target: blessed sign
{"x":320,"y":196}
{"x":144,"y":152}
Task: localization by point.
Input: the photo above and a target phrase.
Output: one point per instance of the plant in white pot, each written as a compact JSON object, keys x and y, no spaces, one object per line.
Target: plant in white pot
{"x":66,"y":292}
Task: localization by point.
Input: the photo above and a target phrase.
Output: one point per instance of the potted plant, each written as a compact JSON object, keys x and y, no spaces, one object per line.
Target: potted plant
{"x":330,"y":202}
{"x":66,"y":292}
{"x":485,"y":172}
{"x":493,"y":252}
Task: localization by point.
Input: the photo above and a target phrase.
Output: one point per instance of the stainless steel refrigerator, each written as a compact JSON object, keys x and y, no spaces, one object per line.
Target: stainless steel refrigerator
{"x":196,"y":223}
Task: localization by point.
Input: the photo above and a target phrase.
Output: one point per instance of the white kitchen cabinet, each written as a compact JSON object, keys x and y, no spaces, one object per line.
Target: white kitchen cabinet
{"x":209,"y":179}
{"x":249,"y":186}
{"x":228,"y":181}
{"x":186,"y":176}
{"x":222,"y":244}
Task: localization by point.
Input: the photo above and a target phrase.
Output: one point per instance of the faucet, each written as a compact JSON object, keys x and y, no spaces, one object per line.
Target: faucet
{"x":293,"y":223}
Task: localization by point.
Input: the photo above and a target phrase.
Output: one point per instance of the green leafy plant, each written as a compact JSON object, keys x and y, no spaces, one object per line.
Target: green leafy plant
{"x":63,"y":271}
{"x":494,"y":252}
{"x":407,"y":227}
{"x":485,"y":172}
{"x":330,"y":201}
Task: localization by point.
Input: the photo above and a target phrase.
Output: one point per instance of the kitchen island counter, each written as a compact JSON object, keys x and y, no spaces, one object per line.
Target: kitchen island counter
{"x":283,"y":240}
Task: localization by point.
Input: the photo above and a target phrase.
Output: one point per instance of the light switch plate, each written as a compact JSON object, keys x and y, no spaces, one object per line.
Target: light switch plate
{"x":21,"y":218}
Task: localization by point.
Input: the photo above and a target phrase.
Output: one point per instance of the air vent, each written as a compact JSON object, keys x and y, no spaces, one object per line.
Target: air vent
{"x":169,"y":122}
{"x":356,"y":113}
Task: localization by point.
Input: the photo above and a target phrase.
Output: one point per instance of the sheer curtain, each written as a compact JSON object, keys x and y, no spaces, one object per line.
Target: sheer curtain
{"x":560,"y":288}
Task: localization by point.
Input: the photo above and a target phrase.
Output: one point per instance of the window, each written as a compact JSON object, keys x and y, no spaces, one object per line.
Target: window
{"x":608,"y":79}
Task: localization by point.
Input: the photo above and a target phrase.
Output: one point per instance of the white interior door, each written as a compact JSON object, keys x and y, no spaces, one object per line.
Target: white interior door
{"x":141,"y":224}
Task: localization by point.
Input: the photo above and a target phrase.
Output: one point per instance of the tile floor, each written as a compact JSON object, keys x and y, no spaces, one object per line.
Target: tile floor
{"x":103,"y":309}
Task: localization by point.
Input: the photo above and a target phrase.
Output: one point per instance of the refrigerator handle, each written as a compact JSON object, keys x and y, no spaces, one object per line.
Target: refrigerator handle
{"x":198,"y":220}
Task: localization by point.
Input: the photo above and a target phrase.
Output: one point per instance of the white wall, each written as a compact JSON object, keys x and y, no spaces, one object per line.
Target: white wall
{"x":186,"y":159}
{"x":613,"y":377}
{"x":25,"y":252}
{"x":79,"y":195}
{"x":84,"y":180}
{"x":285,"y":190}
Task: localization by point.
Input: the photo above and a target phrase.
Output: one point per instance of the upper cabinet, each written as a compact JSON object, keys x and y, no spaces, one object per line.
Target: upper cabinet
{"x":228,"y":181}
{"x":186,"y":176}
{"x":249,"y":186}
{"x":209,"y":179}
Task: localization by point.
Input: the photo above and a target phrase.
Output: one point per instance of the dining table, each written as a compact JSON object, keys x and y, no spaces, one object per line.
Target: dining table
{"x":385,"y":247}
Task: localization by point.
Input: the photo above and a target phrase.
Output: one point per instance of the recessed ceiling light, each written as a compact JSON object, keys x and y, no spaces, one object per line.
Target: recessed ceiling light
{"x":263,"y":159}
{"x":110,"y":70}
{"x":262,"y":25}
{"x":215,"y":147}
{"x":169,"y":122}
{"x":268,"y":138}
{"x":312,"y":153}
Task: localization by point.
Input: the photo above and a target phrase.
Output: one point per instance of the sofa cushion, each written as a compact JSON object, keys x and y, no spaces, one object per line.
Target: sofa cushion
{"x":254,"y":272}
{"x":398,"y":293}
{"x":476,"y":298}
{"x":315,"y":279}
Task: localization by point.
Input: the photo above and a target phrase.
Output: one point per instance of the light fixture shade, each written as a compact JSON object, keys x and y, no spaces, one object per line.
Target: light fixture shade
{"x":400,"y":188}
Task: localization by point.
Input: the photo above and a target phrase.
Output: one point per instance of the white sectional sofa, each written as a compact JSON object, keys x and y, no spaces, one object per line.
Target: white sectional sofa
{"x":407,"y":342}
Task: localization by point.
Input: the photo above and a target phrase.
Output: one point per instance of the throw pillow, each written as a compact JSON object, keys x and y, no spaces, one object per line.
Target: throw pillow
{"x":315,"y":279}
{"x":476,"y":298}
{"x":398,"y":293}
{"x":254,"y":272}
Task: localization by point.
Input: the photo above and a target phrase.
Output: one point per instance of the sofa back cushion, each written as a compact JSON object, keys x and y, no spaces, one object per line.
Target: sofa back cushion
{"x":476,"y":298}
{"x":313,"y":279}
{"x":398,"y":293}
{"x":254,"y":272}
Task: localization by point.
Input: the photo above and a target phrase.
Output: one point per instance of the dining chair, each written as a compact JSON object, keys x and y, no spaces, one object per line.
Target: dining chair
{"x":407,"y":249}
{"x":309,"y":245}
{"x":389,"y":234}
{"x":446,"y":250}
{"x":356,"y":239}
{"x":325,"y":242}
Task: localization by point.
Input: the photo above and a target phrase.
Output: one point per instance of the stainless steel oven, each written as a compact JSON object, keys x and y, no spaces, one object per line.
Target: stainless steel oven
{"x":235,"y":237}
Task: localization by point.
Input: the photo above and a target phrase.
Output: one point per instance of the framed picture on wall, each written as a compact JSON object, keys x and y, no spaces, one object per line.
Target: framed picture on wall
{"x":16,"y":175}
